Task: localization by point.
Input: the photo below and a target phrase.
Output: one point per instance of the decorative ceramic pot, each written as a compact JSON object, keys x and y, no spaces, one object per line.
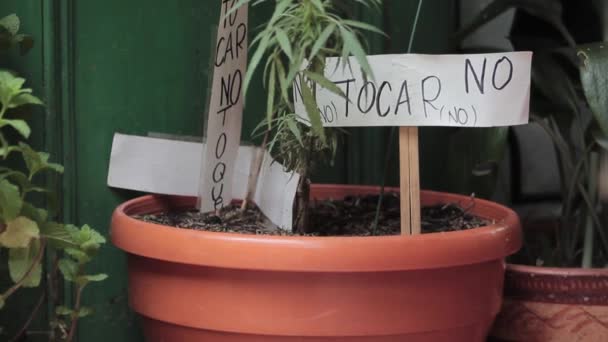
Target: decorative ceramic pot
{"x":545,"y":304}
{"x":222,"y":287}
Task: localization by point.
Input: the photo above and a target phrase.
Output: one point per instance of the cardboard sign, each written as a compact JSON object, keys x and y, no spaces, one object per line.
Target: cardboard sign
{"x":171,"y":167}
{"x":480,"y":90}
{"x":225,"y":109}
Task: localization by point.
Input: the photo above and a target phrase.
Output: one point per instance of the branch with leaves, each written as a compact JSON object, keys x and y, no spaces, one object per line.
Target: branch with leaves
{"x":25,"y":229}
{"x":293,"y":47}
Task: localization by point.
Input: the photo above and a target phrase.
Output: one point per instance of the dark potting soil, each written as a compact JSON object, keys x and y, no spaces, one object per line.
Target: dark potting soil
{"x":352,"y":216}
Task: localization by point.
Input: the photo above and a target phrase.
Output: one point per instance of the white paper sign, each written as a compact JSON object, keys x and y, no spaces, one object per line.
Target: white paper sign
{"x":480,"y":90}
{"x":171,"y":167}
{"x":225,"y":109}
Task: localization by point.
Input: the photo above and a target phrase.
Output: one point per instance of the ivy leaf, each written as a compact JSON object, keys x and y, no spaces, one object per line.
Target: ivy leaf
{"x":19,"y":262}
{"x":19,"y":232}
{"x":19,"y":125}
{"x":10,"y":201}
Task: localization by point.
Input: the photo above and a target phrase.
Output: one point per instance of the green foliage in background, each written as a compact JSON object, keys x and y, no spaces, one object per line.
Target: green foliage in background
{"x":28,"y":230}
{"x":570,"y":101}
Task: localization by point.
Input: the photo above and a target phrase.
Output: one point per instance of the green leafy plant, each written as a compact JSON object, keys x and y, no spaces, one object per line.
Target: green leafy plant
{"x":569,"y":100}
{"x":27,"y":230}
{"x":293,"y":47}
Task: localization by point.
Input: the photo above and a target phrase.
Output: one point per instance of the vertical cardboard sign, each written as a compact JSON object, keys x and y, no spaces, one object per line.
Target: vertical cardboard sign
{"x":225,"y":108}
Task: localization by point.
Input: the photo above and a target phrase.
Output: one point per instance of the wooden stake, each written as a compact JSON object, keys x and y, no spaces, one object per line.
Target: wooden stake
{"x":409,"y":180}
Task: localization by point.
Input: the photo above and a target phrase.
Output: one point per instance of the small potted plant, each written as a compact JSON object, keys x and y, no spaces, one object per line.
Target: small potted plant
{"x":27,"y":229}
{"x":555,"y":289}
{"x":192,"y":285}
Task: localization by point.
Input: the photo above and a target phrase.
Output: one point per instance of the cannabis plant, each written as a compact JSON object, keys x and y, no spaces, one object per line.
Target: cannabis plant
{"x":293,"y":48}
{"x":27,"y":227}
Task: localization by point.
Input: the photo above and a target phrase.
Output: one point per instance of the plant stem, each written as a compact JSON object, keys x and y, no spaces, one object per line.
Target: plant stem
{"x":19,"y":283}
{"x":303,"y":193}
{"x":592,"y":189}
{"x":19,"y":335}
{"x":392,"y":133}
{"x":74,"y":316}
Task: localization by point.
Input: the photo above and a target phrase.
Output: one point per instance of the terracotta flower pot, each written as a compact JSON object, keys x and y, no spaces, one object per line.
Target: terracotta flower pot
{"x":554,"y":304}
{"x":201,"y":286}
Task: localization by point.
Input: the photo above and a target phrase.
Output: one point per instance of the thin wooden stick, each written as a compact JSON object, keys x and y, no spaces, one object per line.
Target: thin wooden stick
{"x":404,"y":176}
{"x":410,"y":180}
{"x":254,"y":172}
{"x":414,"y":172}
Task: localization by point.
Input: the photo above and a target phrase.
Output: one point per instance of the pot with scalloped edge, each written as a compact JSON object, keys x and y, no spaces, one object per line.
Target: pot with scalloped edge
{"x":553,"y":304}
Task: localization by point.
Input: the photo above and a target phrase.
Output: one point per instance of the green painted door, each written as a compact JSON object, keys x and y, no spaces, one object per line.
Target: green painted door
{"x":142,"y":66}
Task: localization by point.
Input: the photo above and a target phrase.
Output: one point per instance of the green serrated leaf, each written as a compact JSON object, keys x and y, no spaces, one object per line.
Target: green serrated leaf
{"x":84,"y":311}
{"x":95,"y":277}
{"x":25,"y":99}
{"x":19,"y":233}
{"x":37,"y":161}
{"x":36,"y":214}
{"x":19,"y":125}
{"x":90,"y":239}
{"x":11,"y":23}
{"x":10,"y":201}
{"x":77,"y":254}
{"x":63,"y":310}
{"x":69,"y":269}
{"x":58,"y":235}
{"x":19,"y":262}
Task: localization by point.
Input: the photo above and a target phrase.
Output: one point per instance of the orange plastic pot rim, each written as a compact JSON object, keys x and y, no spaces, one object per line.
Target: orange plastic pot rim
{"x":317,"y":254}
